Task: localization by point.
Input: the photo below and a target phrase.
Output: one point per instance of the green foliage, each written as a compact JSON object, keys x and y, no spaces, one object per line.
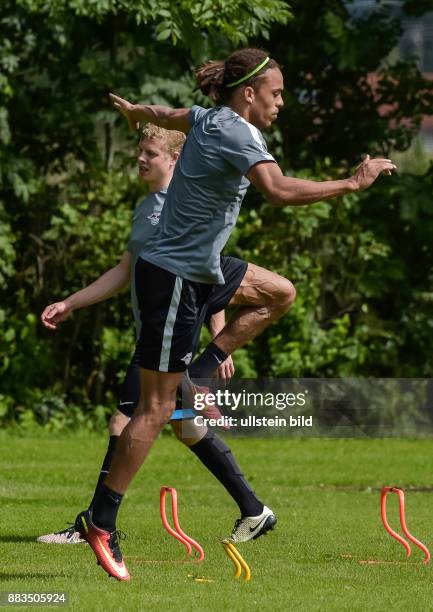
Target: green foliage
{"x":50,"y":410}
{"x":186,"y":22}
{"x":415,"y":160}
{"x":345,"y":95}
{"x":7,"y":251}
{"x":361,"y":266}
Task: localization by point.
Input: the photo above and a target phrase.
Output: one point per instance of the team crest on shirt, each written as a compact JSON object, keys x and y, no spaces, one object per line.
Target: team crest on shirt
{"x":154,"y":218}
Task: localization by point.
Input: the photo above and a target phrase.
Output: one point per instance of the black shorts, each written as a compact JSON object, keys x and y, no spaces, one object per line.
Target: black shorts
{"x":173,"y":309}
{"x":233,"y":270}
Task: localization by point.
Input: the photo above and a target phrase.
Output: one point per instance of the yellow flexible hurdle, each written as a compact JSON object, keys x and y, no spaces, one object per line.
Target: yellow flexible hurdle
{"x":237,"y":559}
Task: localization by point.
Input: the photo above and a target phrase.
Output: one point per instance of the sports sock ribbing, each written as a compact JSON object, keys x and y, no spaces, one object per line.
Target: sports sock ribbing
{"x":105,"y":468}
{"x":214,"y":453}
{"x":105,"y":509}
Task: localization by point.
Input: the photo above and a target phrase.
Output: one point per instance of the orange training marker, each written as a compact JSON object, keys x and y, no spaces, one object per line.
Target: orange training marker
{"x":177,"y":532}
{"x":394,"y":534}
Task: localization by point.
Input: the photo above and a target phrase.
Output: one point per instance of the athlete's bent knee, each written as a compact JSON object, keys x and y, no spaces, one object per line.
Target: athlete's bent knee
{"x":117,"y":423}
{"x":284,"y":297}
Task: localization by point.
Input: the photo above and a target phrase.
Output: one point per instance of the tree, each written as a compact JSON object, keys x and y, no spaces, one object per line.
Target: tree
{"x":67,"y":183}
{"x":362,"y":266}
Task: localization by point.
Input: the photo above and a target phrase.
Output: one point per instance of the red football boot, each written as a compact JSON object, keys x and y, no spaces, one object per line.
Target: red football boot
{"x":105,"y":545}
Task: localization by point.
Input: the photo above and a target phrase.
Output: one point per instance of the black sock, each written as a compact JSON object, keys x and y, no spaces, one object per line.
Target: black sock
{"x":105,"y":468}
{"x":206,"y":364}
{"x":217,"y":457}
{"x":105,"y":509}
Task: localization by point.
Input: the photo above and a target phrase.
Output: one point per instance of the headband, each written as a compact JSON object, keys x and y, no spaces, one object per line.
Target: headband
{"x":250,"y":74}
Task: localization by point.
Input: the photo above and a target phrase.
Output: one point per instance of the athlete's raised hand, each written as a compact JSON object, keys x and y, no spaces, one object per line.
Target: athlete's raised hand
{"x":54,"y":314}
{"x":128,"y":110}
{"x":163,"y":116}
{"x":369,"y":169}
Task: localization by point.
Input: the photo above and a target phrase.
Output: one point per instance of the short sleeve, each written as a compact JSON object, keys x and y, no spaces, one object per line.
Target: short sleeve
{"x":195,"y":114}
{"x":243,"y":146}
{"x":129,"y":244}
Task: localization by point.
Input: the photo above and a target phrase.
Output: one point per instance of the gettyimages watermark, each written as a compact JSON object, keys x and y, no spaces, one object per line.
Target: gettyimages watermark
{"x":350,"y":407}
{"x":224,"y":399}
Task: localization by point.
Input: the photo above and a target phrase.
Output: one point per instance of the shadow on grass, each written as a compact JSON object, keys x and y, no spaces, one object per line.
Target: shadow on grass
{"x":16,"y":539}
{"x":29,"y":575}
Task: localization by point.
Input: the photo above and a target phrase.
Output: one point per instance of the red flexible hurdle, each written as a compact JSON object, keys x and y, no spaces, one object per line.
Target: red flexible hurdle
{"x":394,"y":534}
{"x":177,"y":532}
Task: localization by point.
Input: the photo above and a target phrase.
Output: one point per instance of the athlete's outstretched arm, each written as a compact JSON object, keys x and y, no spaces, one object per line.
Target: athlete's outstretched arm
{"x":108,"y":284}
{"x":282,"y":190}
{"x":163,"y":116}
{"x":216,"y":324}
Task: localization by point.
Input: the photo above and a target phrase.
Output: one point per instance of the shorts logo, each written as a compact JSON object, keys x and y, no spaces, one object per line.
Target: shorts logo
{"x":154,"y":218}
{"x":187,"y":358}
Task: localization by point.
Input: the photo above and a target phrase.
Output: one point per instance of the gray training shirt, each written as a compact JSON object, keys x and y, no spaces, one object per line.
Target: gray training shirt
{"x":145,"y":221}
{"x":206,"y":193}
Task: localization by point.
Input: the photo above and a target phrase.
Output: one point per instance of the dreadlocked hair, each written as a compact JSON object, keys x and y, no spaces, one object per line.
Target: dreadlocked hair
{"x":213,"y":76}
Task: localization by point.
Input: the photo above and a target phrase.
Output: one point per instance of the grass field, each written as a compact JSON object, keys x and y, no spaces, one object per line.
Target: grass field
{"x":325,"y":493}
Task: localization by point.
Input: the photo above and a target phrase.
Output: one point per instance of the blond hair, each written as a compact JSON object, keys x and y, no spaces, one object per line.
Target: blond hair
{"x":173,"y":140}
